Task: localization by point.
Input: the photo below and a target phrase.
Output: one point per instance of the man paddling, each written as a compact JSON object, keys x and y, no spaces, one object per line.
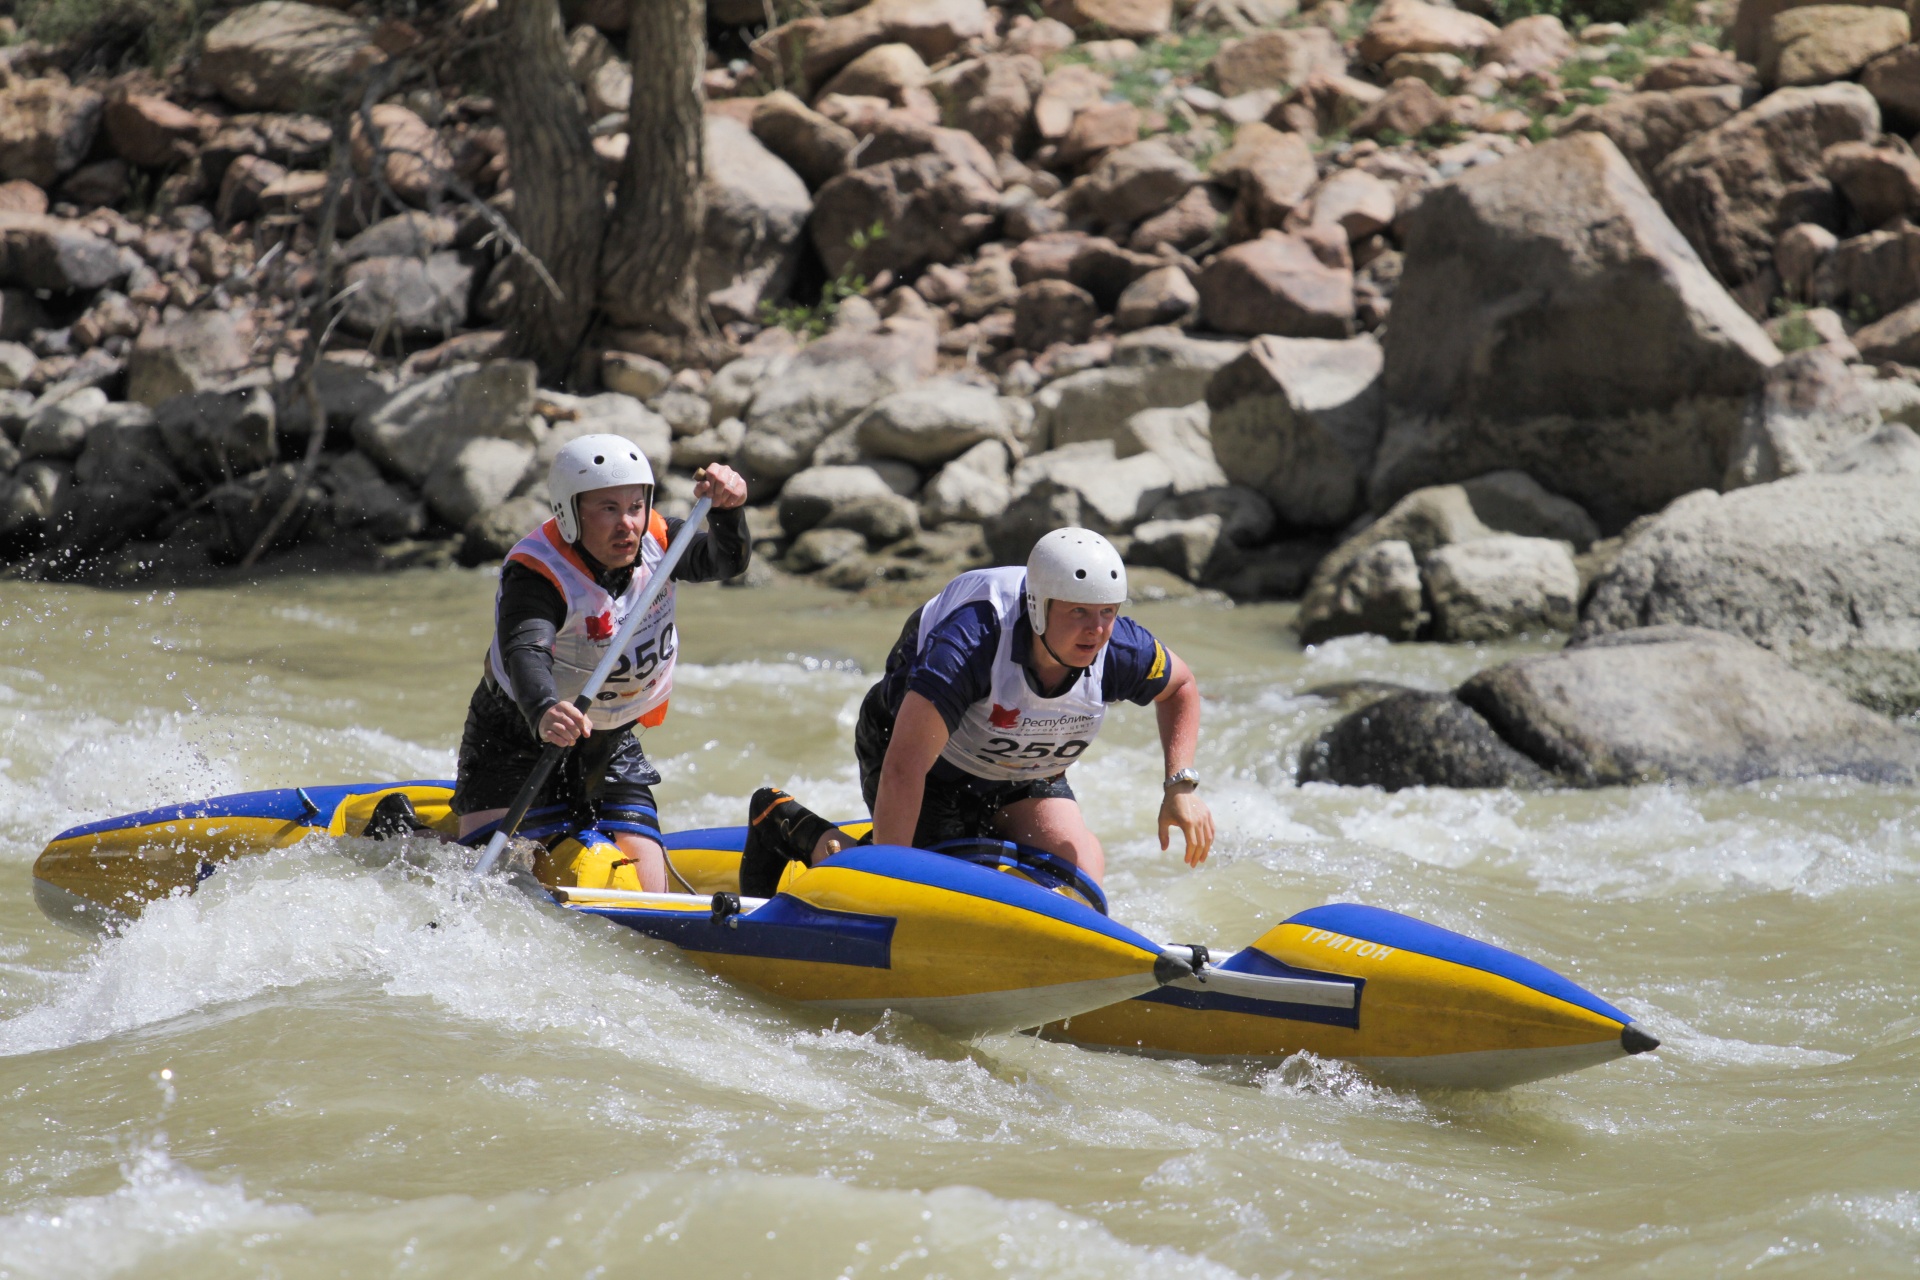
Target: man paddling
{"x":564,"y":591}
{"x":994,"y":688}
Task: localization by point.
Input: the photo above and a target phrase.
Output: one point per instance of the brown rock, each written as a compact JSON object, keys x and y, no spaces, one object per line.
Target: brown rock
{"x":992,"y":98}
{"x":1877,"y":272}
{"x":1748,"y":32}
{"x":246,"y":180}
{"x":1799,"y":253}
{"x":1355,"y":202}
{"x":184,"y":355}
{"x":1894,"y":82}
{"x":1278,"y":285}
{"x":931,"y":28}
{"x":1277,"y":60}
{"x":934,"y":210}
{"x":1409,"y":26}
{"x":1442,"y":71}
{"x":1649,"y":127}
{"x":1050,"y":311}
{"x":21,"y":196}
{"x":1270,"y":171}
{"x":1049,"y":256}
{"x":1131,"y":183}
{"x":1698,"y":72}
{"x":415,"y":161}
{"x":149,"y":131}
{"x":1097,"y":130}
{"x":815,"y":147}
{"x":41,"y":252}
{"x":1104,"y":269}
{"x":102,"y":184}
{"x":1040,"y":39}
{"x":1880,"y":182}
{"x":1162,"y":296}
{"x":1129,"y":19}
{"x":1530,"y":46}
{"x":1409,"y":108}
{"x":1068,"y":91}
{"x":1723,"y":188}
{"x":46,"y":128}
{"x":1895,"y":337}
{"x":1325,"y":104}
{"x":885,"y":71}
{"x":1827,"y":42}
{"x":1195,"y":218}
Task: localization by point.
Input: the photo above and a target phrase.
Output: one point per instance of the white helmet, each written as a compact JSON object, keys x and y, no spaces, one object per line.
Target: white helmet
{"x":593,"y":462}
{"x":1072,"y":564}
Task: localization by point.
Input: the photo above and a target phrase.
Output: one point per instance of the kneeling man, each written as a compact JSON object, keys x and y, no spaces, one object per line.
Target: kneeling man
{"x":995,"y":687}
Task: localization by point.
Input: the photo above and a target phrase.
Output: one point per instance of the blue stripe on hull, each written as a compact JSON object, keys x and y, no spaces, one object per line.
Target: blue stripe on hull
{"x":784,"y":929}
{"x":1259,"y":962}
{"x":283,"y":804}
{"x":1391,"y":929}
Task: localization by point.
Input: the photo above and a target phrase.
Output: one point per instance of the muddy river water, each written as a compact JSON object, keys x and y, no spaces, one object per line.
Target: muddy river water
{"x":313,"y":1068}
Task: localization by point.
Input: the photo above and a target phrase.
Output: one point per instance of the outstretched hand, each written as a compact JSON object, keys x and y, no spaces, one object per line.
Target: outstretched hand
{"x":564,"y":724}
{"x":1187,"y":811}
{"x":722,"y":483}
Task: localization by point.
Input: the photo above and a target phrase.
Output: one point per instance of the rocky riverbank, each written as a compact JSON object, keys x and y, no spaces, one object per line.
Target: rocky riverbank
{"x":1458,"y":328}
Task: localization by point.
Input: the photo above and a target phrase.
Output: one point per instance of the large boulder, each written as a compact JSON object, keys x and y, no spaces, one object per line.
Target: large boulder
{"x":931,"y":28}
{"x":285,"y":56}
{"x":1297,"y":420}
{"x":475,"y":475}
{"x":217,"y":435}
{"x":42,"y":252}
{"x":1131,"y":19}
{"x":423,"y":426}
{"x":820,"y":391}
{"x":1084,"y":485}
{"x":816,"y":493}
{"x":972,"y":489}
{"x":1374,"y":592}
{"x":1807,"y":566}
{"x":1500,"y":587}
{"x":1550,"y":318}
{"x":413,"y":297}
{"x":815,"y":147}
{"x":756,"y":212}
{"x":46,"y":129}
{"x":1649,"y":127}
{"x":1277,"y":284}
{"x":412,"y":159}
{"x":1151,"y":369}
{"x":935,"y":422}
{"x":1827,"y":42}
{"x":1723,"y":189}
{"x":1270,"y":170}
{"x":934,"y":209}
{"x":1660,"y":704}
{"x":1131,"y":182}
{"x":1277,"y":60}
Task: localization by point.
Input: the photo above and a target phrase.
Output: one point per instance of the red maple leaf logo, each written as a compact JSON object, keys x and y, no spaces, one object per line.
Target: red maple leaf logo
{"x":600,"y":628}
{"x":1004,"y":717}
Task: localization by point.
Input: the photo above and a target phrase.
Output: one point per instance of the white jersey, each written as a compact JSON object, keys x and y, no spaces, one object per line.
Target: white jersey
{"x":1014,"y":734}
{"x":642,"y":680}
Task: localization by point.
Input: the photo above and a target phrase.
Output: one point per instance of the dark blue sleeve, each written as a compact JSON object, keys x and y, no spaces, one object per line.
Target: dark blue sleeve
{"x":1138,"y":668}
{"x":955,"y":667}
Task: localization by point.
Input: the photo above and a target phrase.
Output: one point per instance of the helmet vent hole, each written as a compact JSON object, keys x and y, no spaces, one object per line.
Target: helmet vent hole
{"x":1079,"y":573}
{"x":598,"y":460}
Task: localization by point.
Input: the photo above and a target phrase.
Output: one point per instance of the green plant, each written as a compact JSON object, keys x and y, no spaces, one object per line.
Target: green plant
{"x":112,"y":33}
{"x":1143,"y":78}
{"x":798,"y":317}
{"x":1794,"y":332}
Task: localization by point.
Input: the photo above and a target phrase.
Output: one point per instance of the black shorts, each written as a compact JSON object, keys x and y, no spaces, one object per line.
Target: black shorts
{"x":961,"y":808}
{"x":606,"y":781}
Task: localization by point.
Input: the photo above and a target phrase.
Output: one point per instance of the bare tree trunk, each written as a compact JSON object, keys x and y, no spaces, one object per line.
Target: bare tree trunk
{"x":649,"y":280}
{"x":559,"y":194}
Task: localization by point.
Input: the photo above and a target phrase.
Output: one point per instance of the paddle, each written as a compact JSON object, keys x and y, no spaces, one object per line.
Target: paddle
{"x":551,"y":753}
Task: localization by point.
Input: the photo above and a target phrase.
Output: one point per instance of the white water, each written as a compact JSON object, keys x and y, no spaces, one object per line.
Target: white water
{"x":316,"y":1066}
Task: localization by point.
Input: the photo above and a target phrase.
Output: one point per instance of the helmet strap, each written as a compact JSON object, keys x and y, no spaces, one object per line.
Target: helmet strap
{"x":1077,"y":671}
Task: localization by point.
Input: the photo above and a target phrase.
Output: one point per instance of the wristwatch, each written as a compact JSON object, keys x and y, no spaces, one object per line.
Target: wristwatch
{"x":1184,"y":775}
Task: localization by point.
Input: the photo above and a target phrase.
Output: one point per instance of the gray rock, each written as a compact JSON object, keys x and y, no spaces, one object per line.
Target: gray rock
{"x":882,"y":519}
{"x":283,"y":56}
{"x":414,"y":431}
{"x":717,"y":443}
{"x":1500,"y":587}
{"x":686,"y":410}
{"x":935,"y":422}
{"x":16,"y":365}
{"x":1893,"y":450}
{"x":125,"y":452}
{"x":1247,"y":519}
{"x":1277,"y":571}
{"x":363,"y":499}
{"x":217,"y":435}
{"x":819,"y":548}
{"x":1299,"y":420}
{"x":1417,"y":739}
{"x":816,"y":147}
{"x":347,"y":391}
{"x":972,"y":489}
{"x":408,"y":235}
{"x":1376,"y":592}
{"x":935,"y":209}
{"x":1681,"y":704}
{"x":489,"y":536}
{"x":47,"y":126}
{"x":1278,"y":284}
{"x":1820,"y":561}
{"x":1883,"y":680}
{"x":1131,"y":183}
{"x":193,"y":353}
{"x":609,"y":413}
{"x":29,"y":497}
{"x":1551,"y":319}
{"x":821,"y":390}
{"x":1182,"y":439}
{"x":1809,"y":408}
{"x":242,"y":508}
{"x":41,"y":252}
{"x":1115,"y":493}
{"x":812,"y":495}
{"x":476,"y":475}
{"x":1152,"y":369}
{"x":756,"y":212}
{"x":641,"y":377}
{"x":735,"y":384}
{"x":1649,"y":127}
{"x":408,"y":296}
{"x":1183,"y":547}
{"x":57,"y":430}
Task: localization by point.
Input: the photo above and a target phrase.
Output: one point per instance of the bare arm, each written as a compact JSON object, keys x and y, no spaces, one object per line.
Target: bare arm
{"x":1178,"y":710}
{"x":918,"y":736}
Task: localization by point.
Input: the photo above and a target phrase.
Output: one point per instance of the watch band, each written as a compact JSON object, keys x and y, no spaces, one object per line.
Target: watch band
{"x":1183,"y":775}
